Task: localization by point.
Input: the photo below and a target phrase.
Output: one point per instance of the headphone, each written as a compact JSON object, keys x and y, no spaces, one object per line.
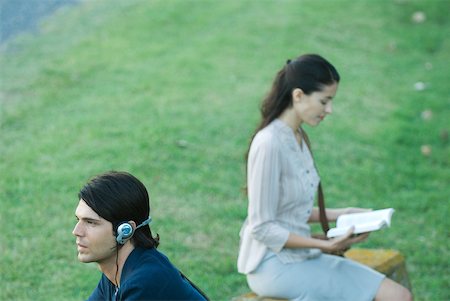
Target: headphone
{"x":125,"y":230}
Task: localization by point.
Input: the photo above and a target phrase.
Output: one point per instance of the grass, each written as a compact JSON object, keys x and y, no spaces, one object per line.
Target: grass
{"x":169,"y":90}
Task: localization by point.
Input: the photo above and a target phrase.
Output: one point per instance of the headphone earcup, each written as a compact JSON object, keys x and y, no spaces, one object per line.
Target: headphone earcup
{"x":124,"y":232}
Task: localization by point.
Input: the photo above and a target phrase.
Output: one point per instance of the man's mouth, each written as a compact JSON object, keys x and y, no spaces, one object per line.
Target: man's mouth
{"x":80,"y":246}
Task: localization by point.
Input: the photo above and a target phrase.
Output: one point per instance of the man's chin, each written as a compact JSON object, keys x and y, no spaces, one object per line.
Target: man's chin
{"x":84,"y":258}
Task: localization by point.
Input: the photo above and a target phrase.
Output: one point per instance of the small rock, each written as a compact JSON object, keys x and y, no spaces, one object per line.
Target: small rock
{"x":418,"y":17}
{"x":427,"y":114}
{"x":419,"y":86}
{"x":182,"y":143}
{"x":425,"y":150}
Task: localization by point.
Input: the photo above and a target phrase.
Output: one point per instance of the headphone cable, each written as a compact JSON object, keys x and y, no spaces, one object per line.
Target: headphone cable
{"x":117,"y":269}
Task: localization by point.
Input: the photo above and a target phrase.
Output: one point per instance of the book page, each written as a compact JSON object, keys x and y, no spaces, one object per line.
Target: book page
{"x":360,"y":228}
{"x":363,"y":222}
{"x":348,"y":220}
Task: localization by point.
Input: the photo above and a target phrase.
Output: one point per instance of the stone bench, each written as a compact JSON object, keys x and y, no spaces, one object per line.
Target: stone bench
{"x":389,"y":262}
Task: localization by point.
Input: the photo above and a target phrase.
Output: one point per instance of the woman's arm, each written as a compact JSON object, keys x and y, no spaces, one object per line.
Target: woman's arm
{"x":332,"y":245}
{"x":263,"y":175}
{"x":333,"y":214}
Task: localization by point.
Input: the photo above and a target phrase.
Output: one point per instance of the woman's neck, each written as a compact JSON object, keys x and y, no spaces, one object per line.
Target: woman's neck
{"x":289,"y":117}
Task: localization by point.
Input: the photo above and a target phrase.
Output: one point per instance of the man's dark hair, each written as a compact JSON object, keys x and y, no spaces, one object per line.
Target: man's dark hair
{"x":120,"y":197}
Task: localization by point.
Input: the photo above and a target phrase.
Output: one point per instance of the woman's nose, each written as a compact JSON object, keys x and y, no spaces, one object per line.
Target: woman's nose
{"x":329,"y":108}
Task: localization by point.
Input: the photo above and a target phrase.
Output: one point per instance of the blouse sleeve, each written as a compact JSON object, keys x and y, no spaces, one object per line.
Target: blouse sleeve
{"x":263,"y":181}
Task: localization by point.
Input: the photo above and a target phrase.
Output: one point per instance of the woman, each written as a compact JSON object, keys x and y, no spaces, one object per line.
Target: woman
{"x":277,"y":252}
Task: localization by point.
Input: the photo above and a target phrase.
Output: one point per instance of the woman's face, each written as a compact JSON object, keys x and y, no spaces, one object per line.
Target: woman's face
{"x":312,"y":109}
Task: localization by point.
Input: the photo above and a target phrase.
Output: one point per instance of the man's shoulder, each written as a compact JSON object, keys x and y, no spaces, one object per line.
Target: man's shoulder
{"x":148,"y":257}
{"x":144,"y":271}
{"x":154,"y":275}
{"x":150,"y":264}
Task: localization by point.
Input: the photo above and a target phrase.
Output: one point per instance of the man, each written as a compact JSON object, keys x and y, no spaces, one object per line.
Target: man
{"x":113,"y":231}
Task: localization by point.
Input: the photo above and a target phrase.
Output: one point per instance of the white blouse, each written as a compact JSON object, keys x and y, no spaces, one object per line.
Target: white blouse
{"x":282,"y":182}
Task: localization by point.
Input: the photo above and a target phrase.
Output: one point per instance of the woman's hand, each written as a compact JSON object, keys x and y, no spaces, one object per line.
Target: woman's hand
{"x":343,"y":243}
{"x":350,"y":210}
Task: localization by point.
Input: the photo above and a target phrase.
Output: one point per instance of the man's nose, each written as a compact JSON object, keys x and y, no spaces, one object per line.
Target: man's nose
{"x":77,"y":230}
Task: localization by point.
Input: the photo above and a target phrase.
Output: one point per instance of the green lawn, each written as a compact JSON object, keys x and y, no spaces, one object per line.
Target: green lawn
{"x":169,"y":91}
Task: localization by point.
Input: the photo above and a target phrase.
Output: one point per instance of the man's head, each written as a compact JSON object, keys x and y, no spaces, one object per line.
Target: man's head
{"x":107,"y":201}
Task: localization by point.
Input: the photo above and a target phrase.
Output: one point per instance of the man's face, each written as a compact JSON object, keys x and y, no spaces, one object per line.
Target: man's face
{"x":94,"y":236}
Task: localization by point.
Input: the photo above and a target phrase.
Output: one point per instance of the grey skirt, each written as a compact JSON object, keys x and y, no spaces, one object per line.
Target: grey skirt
{"x":326,"y":277}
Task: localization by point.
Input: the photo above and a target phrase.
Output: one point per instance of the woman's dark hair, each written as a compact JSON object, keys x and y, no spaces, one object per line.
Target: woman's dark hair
{"x":120,"y":197}
{"x":309,"y":72}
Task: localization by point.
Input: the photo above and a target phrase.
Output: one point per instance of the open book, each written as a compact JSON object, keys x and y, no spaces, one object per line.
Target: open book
{"x":363,"y":222}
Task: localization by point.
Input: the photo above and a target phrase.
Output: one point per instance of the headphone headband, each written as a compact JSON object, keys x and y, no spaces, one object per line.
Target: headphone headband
{"x":146,"y":222}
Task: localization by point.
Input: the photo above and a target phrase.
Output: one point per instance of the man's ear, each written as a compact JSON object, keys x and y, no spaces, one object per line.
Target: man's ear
{"x":297,"y":94}
{"x":133,"y":224}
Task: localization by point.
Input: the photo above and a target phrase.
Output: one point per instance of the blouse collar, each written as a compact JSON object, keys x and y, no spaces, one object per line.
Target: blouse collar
{"x":287,"y":134}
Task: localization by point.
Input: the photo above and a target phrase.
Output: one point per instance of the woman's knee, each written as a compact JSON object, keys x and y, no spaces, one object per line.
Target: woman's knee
{"x":390,"y":290}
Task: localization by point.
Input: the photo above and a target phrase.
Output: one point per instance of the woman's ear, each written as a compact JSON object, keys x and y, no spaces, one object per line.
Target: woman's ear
{"x":297,"y":94}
